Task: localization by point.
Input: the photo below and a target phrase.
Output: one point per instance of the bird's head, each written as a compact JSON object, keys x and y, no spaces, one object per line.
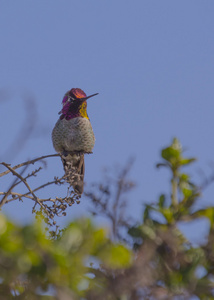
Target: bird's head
{"x":75,"y":104}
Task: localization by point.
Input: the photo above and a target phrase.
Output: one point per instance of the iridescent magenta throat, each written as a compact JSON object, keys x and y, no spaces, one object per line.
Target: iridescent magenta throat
{"x":70,"y":111}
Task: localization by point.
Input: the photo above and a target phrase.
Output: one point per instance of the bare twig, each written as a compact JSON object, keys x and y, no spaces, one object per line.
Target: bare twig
{"x":28,"y":163}
{"x":16,"y":196}
{"x":4,"y":199}
{"x":33,"y":173}
{"x":50,"y":206}
{"x":21,"y":178}
{"x":27,"y":185}
{"x":110,"y":203}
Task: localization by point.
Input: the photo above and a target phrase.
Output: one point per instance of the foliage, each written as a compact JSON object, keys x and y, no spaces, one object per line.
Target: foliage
{"x":31,"y":262}
{"x":151,"y":260}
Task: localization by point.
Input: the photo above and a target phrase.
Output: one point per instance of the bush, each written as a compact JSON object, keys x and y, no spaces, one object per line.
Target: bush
{"x":151,"y":260}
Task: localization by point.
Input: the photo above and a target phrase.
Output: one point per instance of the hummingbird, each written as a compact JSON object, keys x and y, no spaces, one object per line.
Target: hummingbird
{"x":73,"y":136}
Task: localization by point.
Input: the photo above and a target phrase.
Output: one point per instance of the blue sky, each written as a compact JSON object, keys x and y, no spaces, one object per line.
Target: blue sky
{"x":152,"y":63}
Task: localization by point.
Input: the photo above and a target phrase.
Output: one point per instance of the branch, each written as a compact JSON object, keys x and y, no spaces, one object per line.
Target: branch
{"x":27,"y":163}
{"x":16,"y":196}
{"x":26,"y":184}
{"x":4,"y":200}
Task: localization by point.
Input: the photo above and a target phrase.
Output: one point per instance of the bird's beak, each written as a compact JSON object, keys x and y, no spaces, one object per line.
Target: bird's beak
{"x":86,"y":98}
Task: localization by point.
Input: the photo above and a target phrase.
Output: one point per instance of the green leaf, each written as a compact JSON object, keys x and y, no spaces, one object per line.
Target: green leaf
{"x":147,"y":232}
{"x":184,"y":177}
{"x":207,"y":213}
{"x":187,"y":161}
{"x":146,"y":213}
{"x":116,"y":256}
{"x":135,"y":232}
{"x":170,"y":154}
{"x":187,"y":192}
{"x":162,"y":200}
{"x":168,"y":214}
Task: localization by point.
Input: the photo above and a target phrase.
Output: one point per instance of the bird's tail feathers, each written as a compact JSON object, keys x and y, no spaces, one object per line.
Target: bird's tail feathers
{"x":74,"y":166}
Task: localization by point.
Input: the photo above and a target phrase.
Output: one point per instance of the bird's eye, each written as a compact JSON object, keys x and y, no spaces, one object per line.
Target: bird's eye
{"x":71,"y":99}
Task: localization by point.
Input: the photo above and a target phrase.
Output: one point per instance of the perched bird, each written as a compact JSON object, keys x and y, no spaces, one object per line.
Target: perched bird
{"x":73,"y":136}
